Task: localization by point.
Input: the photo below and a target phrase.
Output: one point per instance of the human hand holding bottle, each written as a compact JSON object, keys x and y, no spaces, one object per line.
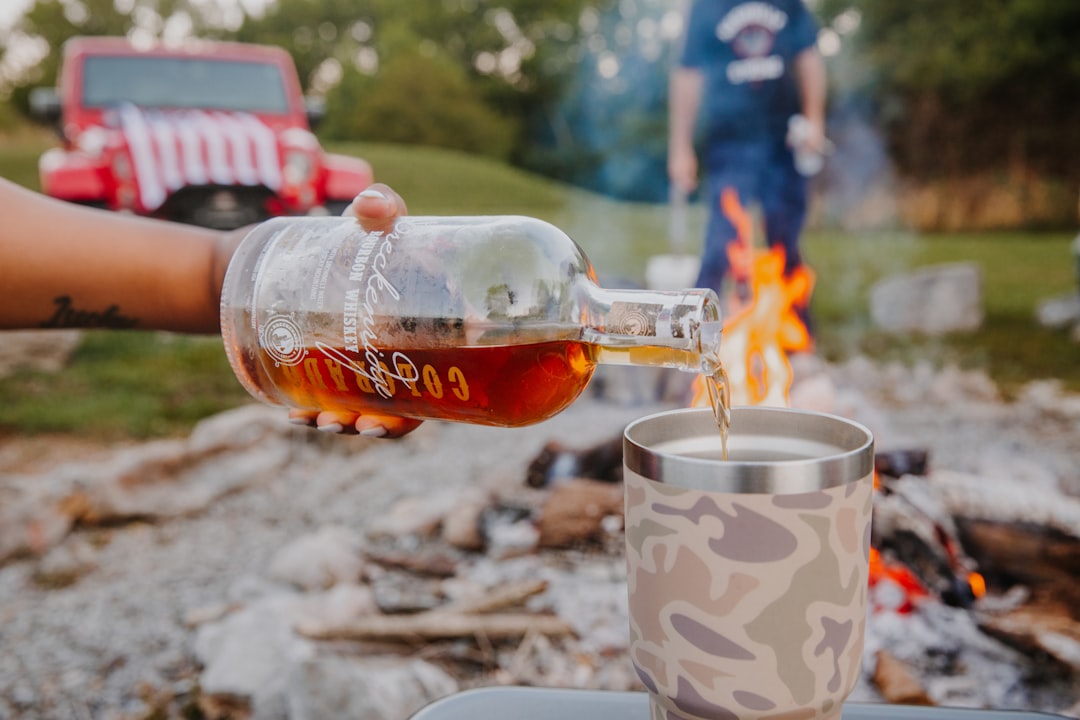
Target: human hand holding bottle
{"x":375,"y":207}
{"x":64,"y":266}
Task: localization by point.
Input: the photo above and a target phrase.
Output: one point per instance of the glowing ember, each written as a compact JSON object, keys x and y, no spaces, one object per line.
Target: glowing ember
{"x":893,"y":586}
{"x":977,"y":583}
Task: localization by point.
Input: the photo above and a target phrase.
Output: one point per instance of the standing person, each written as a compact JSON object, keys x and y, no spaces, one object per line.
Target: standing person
{"x":65,"y":265}
{"x":747,"y":68}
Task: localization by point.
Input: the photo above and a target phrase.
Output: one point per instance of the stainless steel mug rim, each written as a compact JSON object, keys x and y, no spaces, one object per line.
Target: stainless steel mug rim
{"x":812,"y":451}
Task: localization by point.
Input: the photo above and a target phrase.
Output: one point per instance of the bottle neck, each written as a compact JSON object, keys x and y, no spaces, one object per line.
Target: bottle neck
{"x":678,"y":329}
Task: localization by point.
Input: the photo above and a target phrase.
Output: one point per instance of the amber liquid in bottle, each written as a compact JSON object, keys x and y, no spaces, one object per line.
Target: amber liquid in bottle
{"x":501,"y":385}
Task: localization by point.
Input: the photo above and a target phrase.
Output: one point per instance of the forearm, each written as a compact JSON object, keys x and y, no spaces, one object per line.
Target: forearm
{"x":684,"y":102}
{"x":812,"y":80}
{"x":67,"y":266}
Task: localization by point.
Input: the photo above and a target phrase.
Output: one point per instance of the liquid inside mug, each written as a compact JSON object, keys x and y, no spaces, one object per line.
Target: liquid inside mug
{"x":747,"y":577}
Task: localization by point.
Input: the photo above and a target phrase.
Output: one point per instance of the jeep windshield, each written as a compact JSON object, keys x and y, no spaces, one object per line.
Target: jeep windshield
{"x":173,"y":82}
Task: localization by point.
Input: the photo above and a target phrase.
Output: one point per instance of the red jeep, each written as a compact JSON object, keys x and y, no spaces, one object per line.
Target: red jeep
{"x":208,"y":133}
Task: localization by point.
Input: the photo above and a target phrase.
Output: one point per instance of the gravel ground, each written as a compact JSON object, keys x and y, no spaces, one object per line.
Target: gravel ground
{"x":85,"y":650}
{"x":103,"y":645}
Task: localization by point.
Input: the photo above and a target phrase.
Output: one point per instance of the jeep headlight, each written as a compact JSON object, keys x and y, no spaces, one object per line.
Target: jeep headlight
{"x":297,"y":168}
{"x":92,"y":141}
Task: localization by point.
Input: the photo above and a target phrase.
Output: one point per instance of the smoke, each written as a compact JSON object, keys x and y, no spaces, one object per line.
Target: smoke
{"x":608,"y":132}
{"x":858,"y":193}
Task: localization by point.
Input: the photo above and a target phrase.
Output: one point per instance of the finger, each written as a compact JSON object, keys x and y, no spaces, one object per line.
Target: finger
{"x":385,"y":426}
{"x":303,"y":417}
{"x":375,"y":205}
{"x":343,"y":423}
{"x":332,"y":421}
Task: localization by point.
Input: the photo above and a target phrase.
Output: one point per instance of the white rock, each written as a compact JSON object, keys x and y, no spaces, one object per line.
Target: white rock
{"x":340,"y":604}
{"x":320,"y":560}
{"x":932,"y":300}
{"x":251,"y":652}
{"x":1059,"y":312}
{"x":240,"y":427}
{"x":506,"y":540}
{"x":416,"y":515}
{"x":364,"y":688}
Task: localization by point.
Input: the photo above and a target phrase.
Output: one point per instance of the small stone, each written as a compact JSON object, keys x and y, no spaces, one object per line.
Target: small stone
{"x":575,"y":511}
{"x":345,"y":687}
{"x":933,"y":300}
{"x":507,"y":540}
{"x":417,"y":515}
{"x":1059,"y":312}
{"x":320,"y":560}
{"x":462,"y":526}
{"x":66,"y":563}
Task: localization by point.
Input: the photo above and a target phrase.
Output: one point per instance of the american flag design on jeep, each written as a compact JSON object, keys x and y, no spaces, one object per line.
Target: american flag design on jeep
{"x":171,"y":149}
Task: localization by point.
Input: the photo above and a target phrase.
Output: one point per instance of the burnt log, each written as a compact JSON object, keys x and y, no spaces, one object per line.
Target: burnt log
{"x":557,"y":462}
{"x":1044,"y":559}
{"x":1040,"y":629}
{"x":898,"y":463}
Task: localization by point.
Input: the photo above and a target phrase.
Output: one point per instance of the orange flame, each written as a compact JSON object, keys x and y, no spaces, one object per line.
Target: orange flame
{"x":759,"y":335}
{"x":740,"y":252}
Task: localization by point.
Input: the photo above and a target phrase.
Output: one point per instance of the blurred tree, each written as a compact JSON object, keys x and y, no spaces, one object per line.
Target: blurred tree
{"x":505,"y":65}
{"x":962,"y":88}
{"x":49,"y":23}
{"x":419,"y":100}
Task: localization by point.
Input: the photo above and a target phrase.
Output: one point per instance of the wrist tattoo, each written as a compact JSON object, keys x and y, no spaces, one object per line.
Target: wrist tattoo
{"x":68,"y":316}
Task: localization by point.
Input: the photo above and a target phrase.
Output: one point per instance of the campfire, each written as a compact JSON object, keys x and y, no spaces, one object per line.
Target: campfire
{"x":917,"y":556}
{"x":762,"y":326}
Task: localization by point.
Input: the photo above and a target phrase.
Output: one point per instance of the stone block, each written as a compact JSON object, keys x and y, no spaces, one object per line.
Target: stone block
{"x":933,"y":300}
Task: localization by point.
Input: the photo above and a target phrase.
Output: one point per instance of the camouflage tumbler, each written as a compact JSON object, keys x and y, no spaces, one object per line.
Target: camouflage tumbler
{"x":747,"y":577}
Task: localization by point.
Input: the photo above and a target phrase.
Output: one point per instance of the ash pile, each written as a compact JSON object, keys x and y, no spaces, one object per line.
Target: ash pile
{"x":254,"y":570}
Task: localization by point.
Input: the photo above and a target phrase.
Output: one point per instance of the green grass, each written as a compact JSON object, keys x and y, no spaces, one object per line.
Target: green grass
{"x":123,"y":384}
{"x":1018,"y":272}
{"x":19,"y":153}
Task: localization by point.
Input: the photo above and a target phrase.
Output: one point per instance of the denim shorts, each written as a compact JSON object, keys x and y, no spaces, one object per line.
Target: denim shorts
{"x":764,"y":177}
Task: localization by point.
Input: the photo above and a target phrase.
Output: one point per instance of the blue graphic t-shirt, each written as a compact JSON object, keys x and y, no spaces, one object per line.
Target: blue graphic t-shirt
{"x":746,"y":50}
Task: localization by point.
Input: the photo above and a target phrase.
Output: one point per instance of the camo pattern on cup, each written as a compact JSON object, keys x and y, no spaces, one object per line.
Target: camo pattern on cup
{"x":747,"y":606}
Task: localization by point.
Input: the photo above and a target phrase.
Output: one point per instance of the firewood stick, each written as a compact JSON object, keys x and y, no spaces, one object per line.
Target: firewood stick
{"x":496,"y":599}
{"x":438,"y":626}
